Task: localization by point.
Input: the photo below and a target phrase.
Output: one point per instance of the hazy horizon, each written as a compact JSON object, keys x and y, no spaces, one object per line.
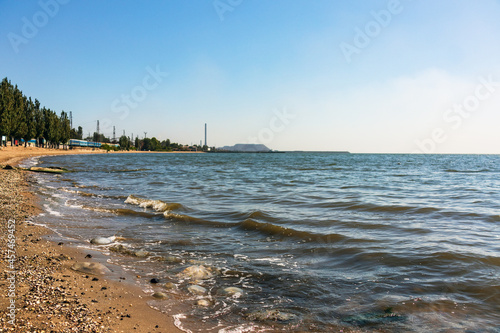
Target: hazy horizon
{"x":364,"y":77}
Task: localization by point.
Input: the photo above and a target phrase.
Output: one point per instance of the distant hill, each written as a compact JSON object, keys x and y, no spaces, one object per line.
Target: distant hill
{"x":247,"y":148}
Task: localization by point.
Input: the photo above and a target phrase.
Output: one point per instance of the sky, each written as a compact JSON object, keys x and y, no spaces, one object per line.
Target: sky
{"x":366,"y":76}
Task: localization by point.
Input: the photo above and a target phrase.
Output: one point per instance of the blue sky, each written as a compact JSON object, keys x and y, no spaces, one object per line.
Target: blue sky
{"x":364,"y":76}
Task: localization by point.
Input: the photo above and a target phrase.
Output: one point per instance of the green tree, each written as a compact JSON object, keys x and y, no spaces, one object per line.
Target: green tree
{"x":6,"y":108}
{"x":10,"y":102}
{"x":30,"y":121}
{"x":64,"y":128}
{"x":146,"y":144}
{"x":155,"y":144}
{"x":51,"y":133}
{"x":124,"y":142}
{"x":39,"y":121}
{"x":20,"y":127}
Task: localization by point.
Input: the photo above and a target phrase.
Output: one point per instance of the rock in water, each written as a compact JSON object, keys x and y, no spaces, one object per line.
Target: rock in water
{"x":169,"y":285}
{"x":160,"y":295}
{"x":271,"y":315}
{"x":232,"y":291}
{"x":93,"y":268}
{"x":48,"y":170}
{"x":101,"y":241}
{"x":141,"y":254}
{"x":197,"y":273}
{"x":374,"y":318}
{"x":197,"y":290}
{"x":204,"y":303}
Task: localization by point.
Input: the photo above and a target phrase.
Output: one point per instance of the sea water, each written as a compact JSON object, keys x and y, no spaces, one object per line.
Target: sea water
{"x":315,"y":242}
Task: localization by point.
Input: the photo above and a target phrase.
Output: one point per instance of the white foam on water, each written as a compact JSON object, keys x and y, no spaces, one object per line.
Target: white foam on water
{"x":157,"y":205}
{"x":49,"y":210}
{"x":178,"y":322}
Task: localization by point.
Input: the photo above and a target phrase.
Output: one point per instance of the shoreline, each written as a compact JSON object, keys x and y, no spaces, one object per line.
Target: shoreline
{"x":14,"y":155}
{"x":40,"y":290}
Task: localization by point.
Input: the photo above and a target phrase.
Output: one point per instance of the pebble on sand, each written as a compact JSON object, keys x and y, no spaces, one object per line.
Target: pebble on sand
{"x":93,"y":268}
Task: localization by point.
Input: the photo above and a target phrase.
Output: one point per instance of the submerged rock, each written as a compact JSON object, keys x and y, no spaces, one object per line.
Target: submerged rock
{"x":169,"y":285}
{"x":271,"y":315}
{"x":374,"y":318}
{"x":232,"y":291}
{"x":101,"y":240}
{"x":197,"y":272}
{"x":119,"y":248}
{"x":141,"y":254}
{"x":197,"y":290}
{"x":160,"y":295}
{"x":93,"y":268}
{"x":48,"y":170}
{"x":204,"y":303}
{"x":173,"y":259}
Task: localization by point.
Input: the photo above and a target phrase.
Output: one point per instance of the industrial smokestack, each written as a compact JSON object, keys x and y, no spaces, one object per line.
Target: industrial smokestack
{"x":206,"y":134}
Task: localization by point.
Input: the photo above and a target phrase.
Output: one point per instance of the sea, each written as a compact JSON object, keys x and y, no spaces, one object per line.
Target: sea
{"x":292,"y":242}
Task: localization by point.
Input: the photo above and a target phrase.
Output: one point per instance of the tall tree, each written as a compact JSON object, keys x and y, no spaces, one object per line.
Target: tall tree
{"x":39,"y":121}
{"x":29,"y":114}
{"x":20,"y":128}
{"x":7,"y":108}
{"x":64,"y":128}
{"x":51,"y":132}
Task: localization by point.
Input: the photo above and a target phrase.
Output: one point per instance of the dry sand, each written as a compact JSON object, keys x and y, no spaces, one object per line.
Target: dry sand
{"x":49,"y":295}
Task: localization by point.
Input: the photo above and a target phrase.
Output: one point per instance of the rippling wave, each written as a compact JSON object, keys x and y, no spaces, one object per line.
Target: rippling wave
{"x":316,"y":242}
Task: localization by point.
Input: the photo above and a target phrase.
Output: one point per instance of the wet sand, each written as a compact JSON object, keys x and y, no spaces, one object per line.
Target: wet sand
{"x":41,"y":289}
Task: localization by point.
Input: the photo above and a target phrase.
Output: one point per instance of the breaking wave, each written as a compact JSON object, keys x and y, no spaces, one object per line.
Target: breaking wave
{"x":157,"y":205}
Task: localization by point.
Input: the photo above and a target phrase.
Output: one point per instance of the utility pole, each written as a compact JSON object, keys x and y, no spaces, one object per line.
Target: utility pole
{"x":98,"y":128}
{"x":145,"y":134}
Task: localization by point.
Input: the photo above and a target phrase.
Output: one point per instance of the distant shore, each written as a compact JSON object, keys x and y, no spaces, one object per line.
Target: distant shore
{"x":40,"y":290}
{"x":13,"y":155}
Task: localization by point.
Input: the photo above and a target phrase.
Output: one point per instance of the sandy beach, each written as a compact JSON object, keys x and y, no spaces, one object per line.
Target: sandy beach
{"x":40,"y":292}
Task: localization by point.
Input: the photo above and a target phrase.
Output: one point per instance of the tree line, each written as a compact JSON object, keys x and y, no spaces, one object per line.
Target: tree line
{"x":23,"y":118}
{"x":153,"y":144}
